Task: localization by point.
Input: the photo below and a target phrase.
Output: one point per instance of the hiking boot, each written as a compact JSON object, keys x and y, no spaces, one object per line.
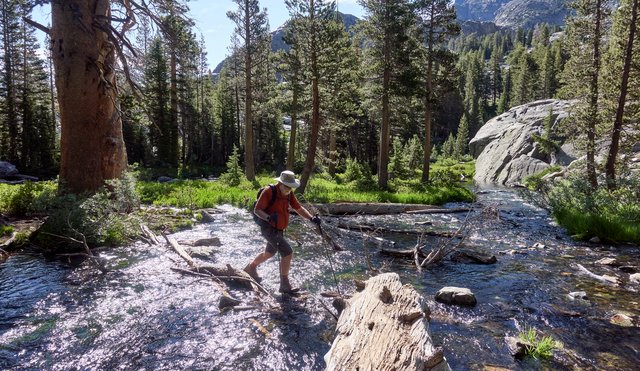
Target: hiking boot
{"x":285,"y":286}
{"x":252,"y":271}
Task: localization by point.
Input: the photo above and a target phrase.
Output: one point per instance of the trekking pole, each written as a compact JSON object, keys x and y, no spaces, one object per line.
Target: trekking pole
{"x":331,"y":245}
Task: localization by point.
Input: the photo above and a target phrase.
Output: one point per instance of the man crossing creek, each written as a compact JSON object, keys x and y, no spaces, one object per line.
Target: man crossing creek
{"x":272,"y":210}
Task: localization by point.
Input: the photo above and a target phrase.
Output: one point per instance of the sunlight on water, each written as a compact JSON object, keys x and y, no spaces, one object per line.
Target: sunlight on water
{"x":144,"y":315}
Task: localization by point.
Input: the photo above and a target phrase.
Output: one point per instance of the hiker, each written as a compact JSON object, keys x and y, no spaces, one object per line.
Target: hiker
{"x":274,"y":215}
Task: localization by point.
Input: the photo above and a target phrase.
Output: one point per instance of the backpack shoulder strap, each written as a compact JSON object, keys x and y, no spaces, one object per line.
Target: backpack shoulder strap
{"x":273,"y":195}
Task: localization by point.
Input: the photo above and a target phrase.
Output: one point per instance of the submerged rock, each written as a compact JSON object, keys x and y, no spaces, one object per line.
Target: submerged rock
{"x":578,"y":295}
{"x":608,"y":261}
{"x":476,"y":258}
{"x":635,"y":278}
{"x":621,"y":319}
{"x":518,"y":347}
{"x":456,"y":295}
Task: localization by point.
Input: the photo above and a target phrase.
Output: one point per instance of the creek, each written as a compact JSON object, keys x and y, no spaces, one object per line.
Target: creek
{"x":143,"y":315}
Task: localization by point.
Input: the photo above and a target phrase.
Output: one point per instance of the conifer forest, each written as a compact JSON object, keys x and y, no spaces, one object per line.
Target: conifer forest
{"x":407,"y":78}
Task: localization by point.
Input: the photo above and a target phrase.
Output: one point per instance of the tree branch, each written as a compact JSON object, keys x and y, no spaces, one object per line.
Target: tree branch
{"x":37,"y":25}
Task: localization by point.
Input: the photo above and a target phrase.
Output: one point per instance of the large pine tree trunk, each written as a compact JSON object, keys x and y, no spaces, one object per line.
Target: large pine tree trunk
{"x":385,"y":128}
{"x":426,"y":161}
{"x":92,"y":147}
{"x":291,"y":156}
{"x":624,"y":86}
{"x":310,"y":161}
{"x":593,"y":99}
{"x":249,"y":164}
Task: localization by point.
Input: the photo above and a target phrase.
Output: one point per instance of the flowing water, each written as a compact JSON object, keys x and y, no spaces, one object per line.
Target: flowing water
{"x":145,"y":315}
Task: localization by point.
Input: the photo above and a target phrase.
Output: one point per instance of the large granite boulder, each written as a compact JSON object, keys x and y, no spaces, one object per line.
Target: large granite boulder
{"x":504,"y":147}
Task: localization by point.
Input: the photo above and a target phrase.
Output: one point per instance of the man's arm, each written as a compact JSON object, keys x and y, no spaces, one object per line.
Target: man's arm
{"x":304,"y":213}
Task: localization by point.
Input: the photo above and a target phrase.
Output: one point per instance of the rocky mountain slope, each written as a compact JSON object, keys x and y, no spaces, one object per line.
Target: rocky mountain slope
{"x":513,"y":13}
{"x":277,"y":42}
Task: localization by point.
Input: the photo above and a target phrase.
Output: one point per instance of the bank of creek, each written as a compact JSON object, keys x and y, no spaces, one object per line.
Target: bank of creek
{"x":144,"y":315}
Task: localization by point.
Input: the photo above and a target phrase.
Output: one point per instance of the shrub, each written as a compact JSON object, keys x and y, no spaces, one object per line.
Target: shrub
{"x":534,"y":182}
{"x":20,"y":200}
{"x":610,"y":215}
{"x":444,"y":177}
{"x":104,"y":218}
{"x":353,"y":171}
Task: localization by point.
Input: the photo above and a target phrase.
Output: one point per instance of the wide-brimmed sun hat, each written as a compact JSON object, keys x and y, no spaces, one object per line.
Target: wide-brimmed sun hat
{"x":288,"y":178}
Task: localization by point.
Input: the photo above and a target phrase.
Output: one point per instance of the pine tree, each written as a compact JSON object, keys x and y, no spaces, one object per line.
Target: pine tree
{"x":496,"y":71}
{"x":585,"y":31}
{"x":398,"y":163}
{"x":156,"y":99}
{"x":292,"y":74}
{"x":448,"y":147}
{"x":462,"y":138}
{"x":340,"y":86}
{"x":524,"y":81}
{"x":387,"y":26}
{"x":314,"y":35}
{"x":10,"y":124}
{"x":224,"y":116}
{"x":505,"y":98}
{"x":438,"y":23}
{"x":472,"y":91}
{"x":415,"y":154}
{"x":27,"y":127}
{"x":252,"y":28}
{"x":622,"y":92}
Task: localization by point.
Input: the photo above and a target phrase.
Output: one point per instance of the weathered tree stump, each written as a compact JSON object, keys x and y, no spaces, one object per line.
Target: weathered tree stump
{"x":384,"y":327}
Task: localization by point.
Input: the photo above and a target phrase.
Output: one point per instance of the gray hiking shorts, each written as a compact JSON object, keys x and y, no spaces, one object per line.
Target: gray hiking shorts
{"x":275,"y":241}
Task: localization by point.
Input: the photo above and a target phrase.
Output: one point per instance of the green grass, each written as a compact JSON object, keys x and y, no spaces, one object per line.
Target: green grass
{"x":200,"y":194}
{"x":541,"y":347}
{"x":6,"y":230}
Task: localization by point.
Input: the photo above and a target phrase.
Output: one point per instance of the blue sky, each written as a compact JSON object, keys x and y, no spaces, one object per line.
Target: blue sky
{"x":212,"y":22}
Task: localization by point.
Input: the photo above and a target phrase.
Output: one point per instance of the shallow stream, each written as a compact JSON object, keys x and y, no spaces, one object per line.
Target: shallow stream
{"x":145,"y":315}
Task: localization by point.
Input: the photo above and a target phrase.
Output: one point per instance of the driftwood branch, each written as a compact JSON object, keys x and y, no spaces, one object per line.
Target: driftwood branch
{"x":217,"y":273}
{"x":98,"y":262}
{"x":181,"y":251}
{"x":602,"y":278}
{"x":487,"y":213}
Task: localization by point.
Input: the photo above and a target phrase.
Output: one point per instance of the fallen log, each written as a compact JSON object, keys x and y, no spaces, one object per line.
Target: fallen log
{"x":384,"y":327}
{"x":378,"y":229}
{"x":355,"y":208}
{"x":439,"y":211}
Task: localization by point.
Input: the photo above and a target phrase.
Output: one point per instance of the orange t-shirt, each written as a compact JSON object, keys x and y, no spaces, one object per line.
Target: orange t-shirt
{"x":280,"y":206}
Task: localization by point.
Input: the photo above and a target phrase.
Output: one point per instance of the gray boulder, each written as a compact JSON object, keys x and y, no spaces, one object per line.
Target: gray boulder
{"x":7,"y":169}
{"x":504,"y":147}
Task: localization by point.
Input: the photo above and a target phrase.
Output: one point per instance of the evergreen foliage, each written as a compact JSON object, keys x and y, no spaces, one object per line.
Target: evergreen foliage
{"x":388,"y":27}
{"x":462,"y":139}
{"x":27,"y":125}
{"x":233,"y":176}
